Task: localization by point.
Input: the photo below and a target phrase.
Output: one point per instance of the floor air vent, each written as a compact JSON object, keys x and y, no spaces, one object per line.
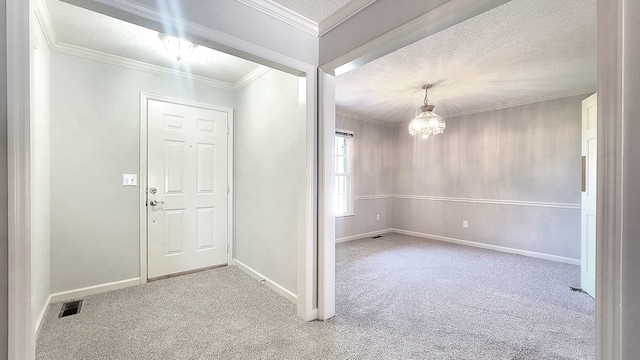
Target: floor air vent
{"x":70,"y":308}
{"x":376,"y":237}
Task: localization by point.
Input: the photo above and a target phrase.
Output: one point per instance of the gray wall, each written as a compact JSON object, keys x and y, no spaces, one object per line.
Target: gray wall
{"x":270,"y":176}
{"x":528,"y":154}
{"x":373,"y":160}
{"x":630,"y":294}
{"x":4,"y":211}
{"x":40,"y":175}
{"x":513,"y":174}
{"x":95,"y":126}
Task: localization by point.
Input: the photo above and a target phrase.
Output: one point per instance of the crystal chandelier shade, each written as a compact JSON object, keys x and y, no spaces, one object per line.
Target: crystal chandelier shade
{"x":427,"y":123}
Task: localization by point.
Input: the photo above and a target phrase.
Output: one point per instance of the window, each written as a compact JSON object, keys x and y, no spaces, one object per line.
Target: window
{"x":343,"y":192}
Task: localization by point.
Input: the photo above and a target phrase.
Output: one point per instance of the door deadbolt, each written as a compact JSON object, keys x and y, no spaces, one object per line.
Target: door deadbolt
{"x":153,"y":190}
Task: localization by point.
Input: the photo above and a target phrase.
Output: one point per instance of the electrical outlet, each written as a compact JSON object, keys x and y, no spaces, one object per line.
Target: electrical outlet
{"x":378,"y":217}
{"x":465,"y":224}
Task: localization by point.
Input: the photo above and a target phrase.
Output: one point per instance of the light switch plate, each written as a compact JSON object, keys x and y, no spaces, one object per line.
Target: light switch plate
{"x":129,"y":179}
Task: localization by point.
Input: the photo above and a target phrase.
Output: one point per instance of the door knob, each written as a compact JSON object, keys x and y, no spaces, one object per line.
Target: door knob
{"x":155,"y":202}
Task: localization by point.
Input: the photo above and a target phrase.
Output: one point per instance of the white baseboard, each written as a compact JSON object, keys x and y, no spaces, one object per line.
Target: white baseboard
{"x":534,"y":254}
{"x":43,"y":311}
{"x":92,"y":290}
{"x":270,"y":283}
{"x":360,"y":236}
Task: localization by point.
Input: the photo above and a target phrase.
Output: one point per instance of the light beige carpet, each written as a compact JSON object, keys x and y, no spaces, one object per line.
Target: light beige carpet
{"x":398,"y":297}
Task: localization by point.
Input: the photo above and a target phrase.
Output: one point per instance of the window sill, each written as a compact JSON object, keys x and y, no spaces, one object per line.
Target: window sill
{"x":341,"y":216}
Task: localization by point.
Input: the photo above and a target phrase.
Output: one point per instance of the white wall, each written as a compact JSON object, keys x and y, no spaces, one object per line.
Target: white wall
{"x":270,"y":176}
{"x":40,"y":175}
{"x":94,"y":140}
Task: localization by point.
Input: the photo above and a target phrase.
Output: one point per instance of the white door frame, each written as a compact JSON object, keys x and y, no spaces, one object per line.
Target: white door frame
{"x":144,"y":133}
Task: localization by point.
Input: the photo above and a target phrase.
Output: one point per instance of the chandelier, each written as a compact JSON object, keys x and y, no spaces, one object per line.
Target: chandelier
{"x":180,"y":49}
{"x":427,"y":123}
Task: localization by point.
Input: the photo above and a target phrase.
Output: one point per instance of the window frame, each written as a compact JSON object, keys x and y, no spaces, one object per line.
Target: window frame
{"x":349,"y":174}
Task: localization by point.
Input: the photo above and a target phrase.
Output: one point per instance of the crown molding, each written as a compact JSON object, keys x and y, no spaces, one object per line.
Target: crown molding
{"x":292,"y":18}
{"x":528,"y":101}
{"x":447,"y":116}
{"x":343,"y":14}
{"x":44,"y":20}
{"x":251,"y":77}
{"x":45,"y":23}
{"x":354,"y":116}
{"x":137,"y":65}
{"x":283,"y":14}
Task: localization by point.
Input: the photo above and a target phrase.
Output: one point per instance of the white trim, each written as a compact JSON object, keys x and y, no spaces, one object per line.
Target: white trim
{"x":137,"y":65}
{"x":445,"y":16}
{"x":374,"y":197}
{"x":341,"y":113}
{"x":21,"y":333}
{"x":529,"y":101}
{"x":270,"y":283}
{"x":82,"y":292}
{"x":42,"y":13}
{"x":307,"y":277}
{"x":143,"y":184}
{"x":144,"y":16}
{"x":283,"y":14}
{"x":250,"y":77}
{"x":491,"y":201}
{"x":44,"y":20}
{"x":341,"y":15}
{"x":92,"y":290}
{"x":472,"y":201}
{"x":42,"y":314}
{"x":326,"y":220}
{"x":538,"y":99}
{"x":230,"y":182}
{"x":364,"y":235}
{"x":610,"y":185}
{"x":505,"y":249}
{"x":344,"y":216}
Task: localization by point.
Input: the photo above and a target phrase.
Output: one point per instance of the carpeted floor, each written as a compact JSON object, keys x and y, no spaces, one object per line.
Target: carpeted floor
{"x":397,"y":297}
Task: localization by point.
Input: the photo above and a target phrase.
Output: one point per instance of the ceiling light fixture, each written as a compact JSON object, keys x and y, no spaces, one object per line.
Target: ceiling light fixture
{"x":427,"y":123}
{"x":178,"y":48}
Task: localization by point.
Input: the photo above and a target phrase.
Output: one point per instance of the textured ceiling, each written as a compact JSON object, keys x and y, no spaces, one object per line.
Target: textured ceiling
{"x":82,"y":28}
{"x":313,"y":10}
{"x":521,"y":52}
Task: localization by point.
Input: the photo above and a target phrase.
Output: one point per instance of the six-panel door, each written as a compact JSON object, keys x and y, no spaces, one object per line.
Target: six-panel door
{"x":187,"y":188}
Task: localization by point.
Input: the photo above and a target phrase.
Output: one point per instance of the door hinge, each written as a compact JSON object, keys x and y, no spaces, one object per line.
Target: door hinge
{"x":228,"y":189}
{"x":228,"y":129}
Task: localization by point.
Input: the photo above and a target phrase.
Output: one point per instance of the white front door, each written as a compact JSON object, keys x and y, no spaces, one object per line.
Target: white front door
{"x":589,"y":155}
{"x":186,"y":188}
